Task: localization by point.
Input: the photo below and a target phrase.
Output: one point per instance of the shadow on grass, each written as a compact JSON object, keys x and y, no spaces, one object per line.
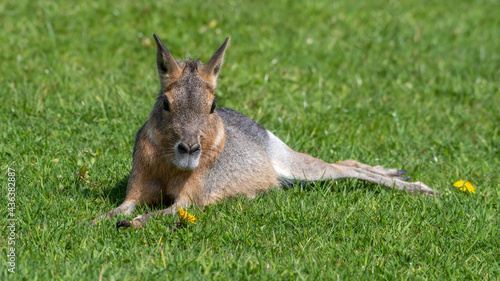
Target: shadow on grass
{"x":115,"y":195}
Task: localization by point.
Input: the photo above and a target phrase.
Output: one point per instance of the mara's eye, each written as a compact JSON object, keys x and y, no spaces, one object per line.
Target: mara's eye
{"x":213,"y":107}
{"x":166,"y":105}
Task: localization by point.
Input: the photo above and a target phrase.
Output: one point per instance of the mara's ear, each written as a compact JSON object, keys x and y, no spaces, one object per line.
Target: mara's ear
{"x":210,"y":71}
{"x":167,"y":65}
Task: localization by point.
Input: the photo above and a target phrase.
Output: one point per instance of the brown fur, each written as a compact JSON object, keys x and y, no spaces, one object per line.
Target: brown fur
{"x":186,"y":154}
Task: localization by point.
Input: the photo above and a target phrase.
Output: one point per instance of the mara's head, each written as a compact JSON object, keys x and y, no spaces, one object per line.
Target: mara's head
{"x":184,"y":121}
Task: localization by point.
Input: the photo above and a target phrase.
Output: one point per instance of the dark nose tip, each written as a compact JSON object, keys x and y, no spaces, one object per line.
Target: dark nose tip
{"x":186,"y":149}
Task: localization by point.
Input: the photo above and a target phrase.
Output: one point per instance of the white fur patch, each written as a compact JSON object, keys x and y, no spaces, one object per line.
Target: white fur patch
{"x":279,"y":153}
{"x":281,"y":171}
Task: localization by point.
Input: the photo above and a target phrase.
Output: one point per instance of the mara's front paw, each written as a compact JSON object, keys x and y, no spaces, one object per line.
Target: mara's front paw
{"x":124,"y":223}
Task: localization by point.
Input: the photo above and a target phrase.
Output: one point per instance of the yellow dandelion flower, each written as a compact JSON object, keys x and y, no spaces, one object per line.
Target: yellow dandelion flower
{"x":465,"y":186}
{"x":185,"y":216}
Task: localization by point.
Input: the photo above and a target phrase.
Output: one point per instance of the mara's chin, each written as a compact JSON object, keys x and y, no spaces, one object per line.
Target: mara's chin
{"x":187,"y":162}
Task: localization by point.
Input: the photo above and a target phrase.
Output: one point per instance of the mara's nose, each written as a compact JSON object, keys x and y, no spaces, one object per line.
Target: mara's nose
{"x":183,"y":148}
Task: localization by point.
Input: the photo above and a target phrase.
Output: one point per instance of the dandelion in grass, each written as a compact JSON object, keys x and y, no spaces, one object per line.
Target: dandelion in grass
{"x":465,"y":186}
{"x":186,"y":217}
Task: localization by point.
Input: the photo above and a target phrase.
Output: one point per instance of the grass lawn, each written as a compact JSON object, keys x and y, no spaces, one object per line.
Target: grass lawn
{"x":409,"y":85}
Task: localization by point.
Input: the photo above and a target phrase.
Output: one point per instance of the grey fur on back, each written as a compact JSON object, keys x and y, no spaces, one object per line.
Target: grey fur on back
{"x":251,"y":129}
{"x":243,"y":158}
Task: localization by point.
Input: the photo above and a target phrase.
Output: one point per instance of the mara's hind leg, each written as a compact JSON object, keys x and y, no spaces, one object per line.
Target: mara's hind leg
{"x":392,"y":178}
{"x":292,"y":165}
{"x":395,"y":173}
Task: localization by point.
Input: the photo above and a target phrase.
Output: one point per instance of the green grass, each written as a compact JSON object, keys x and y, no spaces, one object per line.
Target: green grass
{"x":411,"y":85}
